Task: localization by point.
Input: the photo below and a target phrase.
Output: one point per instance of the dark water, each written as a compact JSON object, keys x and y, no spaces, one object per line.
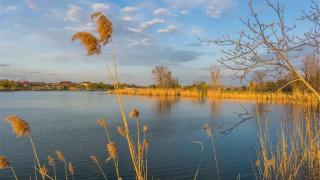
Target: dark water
{"x":67,"y":121}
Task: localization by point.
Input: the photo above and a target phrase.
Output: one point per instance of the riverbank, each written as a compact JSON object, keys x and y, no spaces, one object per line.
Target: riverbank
{"x":294,"y":97}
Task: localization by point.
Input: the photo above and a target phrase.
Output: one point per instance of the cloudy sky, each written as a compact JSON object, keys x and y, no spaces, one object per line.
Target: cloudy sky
{"x":35,"y":37}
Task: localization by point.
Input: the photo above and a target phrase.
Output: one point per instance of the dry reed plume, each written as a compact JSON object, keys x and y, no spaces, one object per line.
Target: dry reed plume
{"x":71,"y":169}
{"x":134,"y":113}
{"x":19,"y":127}
{"x":112,"y":151}
{"x":4,"y":163}
{"x":43,"y":171}
{"x":104,"y":27}
{"x":51,"y":162}
{"x":62,"y":158}
{"x":90,"y":42}
{"x":102,"y":123}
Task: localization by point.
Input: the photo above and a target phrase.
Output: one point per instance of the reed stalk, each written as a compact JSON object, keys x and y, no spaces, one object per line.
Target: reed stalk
{"x":14,"y":173}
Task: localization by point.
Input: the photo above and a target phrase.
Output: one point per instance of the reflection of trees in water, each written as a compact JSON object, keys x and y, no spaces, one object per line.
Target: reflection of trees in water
{"x":216,"y":106}
{"x":163,"y":105}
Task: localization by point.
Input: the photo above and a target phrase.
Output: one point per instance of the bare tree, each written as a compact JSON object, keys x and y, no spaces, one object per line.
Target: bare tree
{"x":313,"y":16}
{"x":311,"y":70}
{"x":163,"y":77}
{"x":271,"y":46}
{"x":215,"y":76}
{"x":259,"y":80}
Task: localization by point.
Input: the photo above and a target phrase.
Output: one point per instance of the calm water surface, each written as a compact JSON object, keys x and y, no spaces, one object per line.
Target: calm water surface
{"x":66,"y":121}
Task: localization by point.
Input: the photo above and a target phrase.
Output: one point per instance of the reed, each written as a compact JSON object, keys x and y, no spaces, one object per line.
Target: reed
{"x":93,"y":46}
{"x":111,"y":147}
{"x":210,"y":134}
{"x":21,"y":128}
{"x":62,"y":158}
{"x":297,"y":152}
{"x":51,"y":162}
{"x":96,"y":161}
{"x":295,"y":97}
{"x":4,"y":163}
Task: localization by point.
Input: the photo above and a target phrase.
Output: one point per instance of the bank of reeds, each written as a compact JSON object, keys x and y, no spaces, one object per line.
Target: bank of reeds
{"x":293,"y":98}
{"x":296,"y":154}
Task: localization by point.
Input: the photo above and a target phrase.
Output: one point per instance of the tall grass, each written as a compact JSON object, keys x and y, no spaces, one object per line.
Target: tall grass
{"x":293,"y":98}
{"x":296,"y":155}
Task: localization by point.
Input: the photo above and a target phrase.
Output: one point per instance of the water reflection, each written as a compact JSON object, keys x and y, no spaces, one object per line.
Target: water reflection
{"x":215,"y":109}
{"x":163,"y":105}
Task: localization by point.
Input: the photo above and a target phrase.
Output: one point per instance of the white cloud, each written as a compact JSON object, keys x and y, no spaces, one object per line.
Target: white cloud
{"x":147,"y":24}
{"x":146,"y":40}
{"x":127,"y":18}
{"x":100,"y":7}
{"x":32,"y":5}
{"x":168,"y":29}
{"x":212,"y":8}
{"x":213,"y":12}
{"x":72,"y":13}
{"x":161,"y":12}
{"x":129,"y":10}
{"x":135,"y":30}
{"x":184,"y":12}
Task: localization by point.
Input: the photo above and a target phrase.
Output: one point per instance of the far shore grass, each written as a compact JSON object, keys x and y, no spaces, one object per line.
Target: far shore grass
{"x":295,"y":97}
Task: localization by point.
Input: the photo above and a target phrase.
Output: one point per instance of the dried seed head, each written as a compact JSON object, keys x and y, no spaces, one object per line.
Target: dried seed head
{"x":208,"y":129}
{"x":122,"y":131}
{"x":50,"y":161}
{"x":145,"y":128}
{"x":70,"y":168}
{"x":43,"y":170}
{"x":90,"y":42}
{"x":146,"y":143}
{"x":60,"y":156}
{"x":102,"y":123}
{"x":134,"y":114}
{"x":4,"y":163}
{"x":104,"y":27}
{"x":94,"y":158}
{"x":257,"y":163}
{"x":19,"y":127}
{"x":112,"y":151}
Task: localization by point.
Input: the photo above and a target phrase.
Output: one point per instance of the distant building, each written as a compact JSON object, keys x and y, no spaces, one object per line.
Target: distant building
{"x":24,"y":83}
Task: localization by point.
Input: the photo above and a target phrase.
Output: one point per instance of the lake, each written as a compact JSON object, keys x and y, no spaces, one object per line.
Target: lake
{"x":66,"y":121}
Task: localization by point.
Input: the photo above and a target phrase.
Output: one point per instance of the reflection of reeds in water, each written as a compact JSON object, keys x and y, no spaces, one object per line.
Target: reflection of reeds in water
{"x":163,"y":105}
{"x":215,"y":107}
{"x":297,"y":152}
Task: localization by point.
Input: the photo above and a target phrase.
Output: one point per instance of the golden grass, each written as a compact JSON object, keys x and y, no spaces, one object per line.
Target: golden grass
{"x":297,"y":152}
{"x":294,"y":98}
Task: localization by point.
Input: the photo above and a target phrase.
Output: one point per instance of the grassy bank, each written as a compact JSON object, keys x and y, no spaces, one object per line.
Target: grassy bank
{"x":295,"y":97}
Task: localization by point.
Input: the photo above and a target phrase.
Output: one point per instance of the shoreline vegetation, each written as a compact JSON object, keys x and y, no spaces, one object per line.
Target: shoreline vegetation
{"x":296,"y":97}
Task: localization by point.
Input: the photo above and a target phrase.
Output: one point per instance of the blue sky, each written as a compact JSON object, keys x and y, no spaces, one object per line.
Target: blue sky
{"x":35,"y":37}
